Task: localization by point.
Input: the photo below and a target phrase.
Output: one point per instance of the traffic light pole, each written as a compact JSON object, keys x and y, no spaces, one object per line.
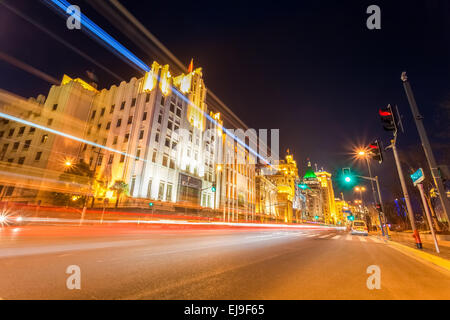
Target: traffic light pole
{"x":427,"y":147}
{"x":382,"y":218}
{"x":375,"y":195}
{"x":406,"y":195}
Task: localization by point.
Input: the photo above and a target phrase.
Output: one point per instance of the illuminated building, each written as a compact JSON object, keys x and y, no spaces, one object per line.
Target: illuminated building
{"x":327,"y":192}
{"x":35,"y":153}
{"x":150,"y":133}
{"x":266,"y":195}
{"x":313,"y":195}
{"x":285,"y":179}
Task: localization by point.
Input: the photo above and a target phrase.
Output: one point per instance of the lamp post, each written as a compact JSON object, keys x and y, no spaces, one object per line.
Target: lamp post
{"x":363,"y":154}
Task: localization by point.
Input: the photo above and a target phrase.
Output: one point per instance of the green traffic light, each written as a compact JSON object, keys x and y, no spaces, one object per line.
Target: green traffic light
{"x":348,"y":179}
{"x":150,"y":204}
{"x":213,"y":189}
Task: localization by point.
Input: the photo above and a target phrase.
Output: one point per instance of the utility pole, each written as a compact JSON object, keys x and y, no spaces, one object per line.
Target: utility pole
{"x":405,"y":194}
{"x":425,"y":206}
{"x":375,"y":196}
{"x":418,"y":118}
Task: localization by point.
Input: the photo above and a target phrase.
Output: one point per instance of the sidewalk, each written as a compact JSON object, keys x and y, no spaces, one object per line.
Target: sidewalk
{"x":427,"y":253}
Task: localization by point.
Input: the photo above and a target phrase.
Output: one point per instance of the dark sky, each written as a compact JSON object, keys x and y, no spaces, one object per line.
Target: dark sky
{"x":310,"y":68}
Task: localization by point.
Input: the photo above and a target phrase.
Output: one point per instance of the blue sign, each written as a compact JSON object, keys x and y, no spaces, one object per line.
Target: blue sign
{"x":418,"y":176}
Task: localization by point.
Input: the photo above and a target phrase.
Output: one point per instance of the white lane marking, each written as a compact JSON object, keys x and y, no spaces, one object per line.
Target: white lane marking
{"x":311,"y":235}
{"x":362,"y":239}
{"x":336,"y":237}
{"x":324,"y":236}
{"x":349,"y":237}
{"x":375,"y":239}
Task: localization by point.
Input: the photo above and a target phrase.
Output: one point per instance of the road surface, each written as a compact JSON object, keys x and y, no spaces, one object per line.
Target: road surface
{"x":135,"y":262}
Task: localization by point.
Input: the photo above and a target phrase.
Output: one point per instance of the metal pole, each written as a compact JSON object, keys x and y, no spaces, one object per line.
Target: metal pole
{"x":375,"y":196}
{"x":418,"y":118}
{"x":406,"y":195}
{"x":420,"y":186}
{"x":381,"y":215}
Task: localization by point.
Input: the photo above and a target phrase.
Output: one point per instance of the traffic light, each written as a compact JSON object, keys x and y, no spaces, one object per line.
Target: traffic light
{"x":388,"y":118}
{"x":213,"y":188}
{"x":150,"y":204}
{"x":351,"y":218}
{"x":347,"y":175}
{"x":378,"y":206}
{"x":375,"y":151}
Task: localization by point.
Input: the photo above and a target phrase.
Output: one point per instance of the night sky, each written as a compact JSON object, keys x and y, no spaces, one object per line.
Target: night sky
{"x":310,"y":68}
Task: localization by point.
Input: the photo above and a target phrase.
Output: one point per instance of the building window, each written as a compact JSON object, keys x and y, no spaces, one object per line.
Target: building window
{"x":102,"y":112}
{"x":161,"y":191}
{"x":130,"y":119}
{"x":93,"y":114}
{"x":15,"y":146}
{"x":154,"y":156}
{"x":144,"y":117}
{"x":32,"y":130}
{"x":172,"y":106}
{"x":167,"y":143}
{"x":133,"y":102}
{"x":122,"y":106}
{"x":178,"y":112}
{"x":112,"y":108}
{"x":2,"y":133}
{"x":127,"y":136}
{"x":164,"y":161}
{"x":169,"y":192}
{"x":111,"y":159}
{"x":21,"y":131}
{"x":11,"y":132}
{"x":27,"y":144}
{"x":157,"y":137}
{"x":108,"y":125}
{"x":44,"y":138}
{"x":147,"y":97}
{"x":119,"y":122}
{"x":49,"y":122}
{"x":5,"y":146}
{"x":172,"y":164}
{"x":160,"y":119}
{"x":115,"y":140}
{"x":38,"y":156}
{"x":122,"y":158}
{"x":55,"y":106}
{"x":138,"y":153}
{"x":169,"y":125}
{"x":163,"y":100}
{"x":141,"y":134}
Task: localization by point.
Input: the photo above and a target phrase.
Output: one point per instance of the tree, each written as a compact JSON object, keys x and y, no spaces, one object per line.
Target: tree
{"x":120,"y":187}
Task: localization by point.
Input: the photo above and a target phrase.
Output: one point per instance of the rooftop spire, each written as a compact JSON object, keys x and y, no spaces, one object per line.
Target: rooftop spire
{"x":191,"y":66}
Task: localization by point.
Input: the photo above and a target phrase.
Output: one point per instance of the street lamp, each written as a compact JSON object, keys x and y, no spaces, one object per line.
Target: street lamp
{"x":364,"y":154}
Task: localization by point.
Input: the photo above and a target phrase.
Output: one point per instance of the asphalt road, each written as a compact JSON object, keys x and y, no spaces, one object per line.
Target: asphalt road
{"x":171,"y":263}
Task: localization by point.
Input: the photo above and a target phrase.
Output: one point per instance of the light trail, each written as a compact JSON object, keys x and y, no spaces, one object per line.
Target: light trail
{"x":118,"y":48}
{"x":182,"y":222}
{"x":38,"y":126}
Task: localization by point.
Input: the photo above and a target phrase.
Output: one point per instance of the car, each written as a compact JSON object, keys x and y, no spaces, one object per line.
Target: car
{"x":359,"y":227}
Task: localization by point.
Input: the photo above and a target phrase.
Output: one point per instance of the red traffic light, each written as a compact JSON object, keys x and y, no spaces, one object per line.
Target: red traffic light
{"x":384,"y":113}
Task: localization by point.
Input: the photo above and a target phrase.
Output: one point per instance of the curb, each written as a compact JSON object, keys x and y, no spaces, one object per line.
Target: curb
{"x":415,"y":253}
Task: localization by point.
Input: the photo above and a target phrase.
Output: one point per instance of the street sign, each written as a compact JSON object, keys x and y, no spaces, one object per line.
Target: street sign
{"x":418,"y":176}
